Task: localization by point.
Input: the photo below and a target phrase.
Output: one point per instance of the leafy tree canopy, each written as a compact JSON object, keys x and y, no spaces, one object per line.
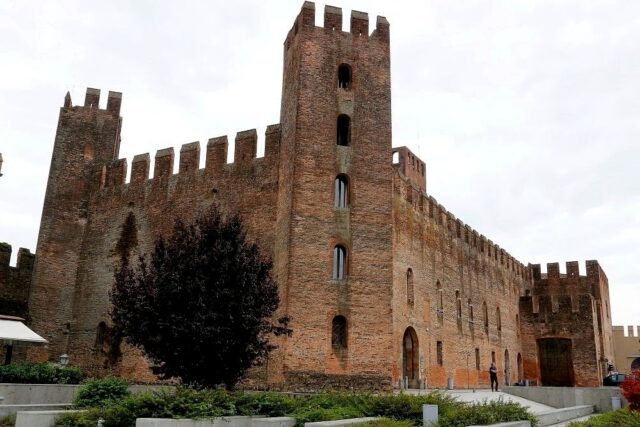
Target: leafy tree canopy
{"x":200,"y":306}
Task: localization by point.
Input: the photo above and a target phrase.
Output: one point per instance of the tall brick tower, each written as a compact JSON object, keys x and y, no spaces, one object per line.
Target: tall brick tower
{"x":86,"y":136}
{"x":333,"y":254}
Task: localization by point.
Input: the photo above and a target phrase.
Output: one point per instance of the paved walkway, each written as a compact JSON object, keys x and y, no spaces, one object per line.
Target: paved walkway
{"x":488,"y":395}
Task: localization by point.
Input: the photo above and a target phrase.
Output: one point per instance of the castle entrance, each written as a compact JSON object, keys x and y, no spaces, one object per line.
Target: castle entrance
{"x":410,"y":358}
{"x":556,"y":365}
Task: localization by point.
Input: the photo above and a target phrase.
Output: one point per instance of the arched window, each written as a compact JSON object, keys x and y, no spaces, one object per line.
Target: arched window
{"x":341,"y":192}
{"x":344,"y":127}
{"x":498,"y":319}
{"x":410,"y":286}
{"x":458,"y":305}
{"x":485,"y":313}
{"x":339,"y":262}
{"x":339,"y":333}
{"x":395,"y":158}
{"x":470,"y":312}
{"x":344,"y":77}
{"x":440,"y":308}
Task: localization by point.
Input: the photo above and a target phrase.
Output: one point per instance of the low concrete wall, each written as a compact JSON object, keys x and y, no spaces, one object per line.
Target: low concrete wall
{"x":563,"y":414}
{"x":563,"y":397}
{"x":20,"y":394}
{"x":26,"y":394}
{"x":218,"y":422}
{"x":509,"y":424}
{"x":340,"y":423}
{"x":38,"y":418}
{"x":6,"y":410}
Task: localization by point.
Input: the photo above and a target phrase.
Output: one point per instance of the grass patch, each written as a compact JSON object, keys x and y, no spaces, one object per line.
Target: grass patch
{"x":619,"y":418}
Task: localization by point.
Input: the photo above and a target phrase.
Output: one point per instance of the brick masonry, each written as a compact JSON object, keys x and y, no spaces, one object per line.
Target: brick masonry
{"x":417,"y":278}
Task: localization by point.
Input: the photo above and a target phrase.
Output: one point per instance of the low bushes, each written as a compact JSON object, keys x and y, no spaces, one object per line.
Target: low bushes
{"x":398,"y":410}
{"x":39,"y":373}
{"x":96,"y":392}
{"x":619,"y":418}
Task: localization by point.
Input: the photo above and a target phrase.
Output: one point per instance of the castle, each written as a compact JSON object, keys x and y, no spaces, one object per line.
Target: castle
{"x":385,"y":287}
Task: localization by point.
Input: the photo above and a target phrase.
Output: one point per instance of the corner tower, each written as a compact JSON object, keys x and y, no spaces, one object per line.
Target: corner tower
{"x":86,"y":137}
{"x":333,"y":258}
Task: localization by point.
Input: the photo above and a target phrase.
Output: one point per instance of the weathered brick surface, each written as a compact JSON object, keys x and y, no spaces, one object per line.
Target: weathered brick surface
{"x":15,"y":282}
{"x":286,"y":201}
{"x":574,"y":307}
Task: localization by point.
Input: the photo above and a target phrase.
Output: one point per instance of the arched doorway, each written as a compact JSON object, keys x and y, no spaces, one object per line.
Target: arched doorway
{"x":520,"y":369}
{"x":507,"y":369}
{"x":410,"y":358}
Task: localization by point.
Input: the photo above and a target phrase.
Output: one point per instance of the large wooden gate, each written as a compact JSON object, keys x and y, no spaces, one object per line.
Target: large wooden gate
{"x":556,"y":363}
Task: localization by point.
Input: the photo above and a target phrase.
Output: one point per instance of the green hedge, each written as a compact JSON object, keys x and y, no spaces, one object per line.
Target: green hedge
{"x":398,"y":410}
{"x":96,"y":392}
{"x":39,"y":373}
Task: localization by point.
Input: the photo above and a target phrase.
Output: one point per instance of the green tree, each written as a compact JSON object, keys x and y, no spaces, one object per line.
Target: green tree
{"x":201,"y":305}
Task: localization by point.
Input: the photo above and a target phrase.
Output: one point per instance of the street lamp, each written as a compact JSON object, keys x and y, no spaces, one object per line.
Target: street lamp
{"x":64,"y":360}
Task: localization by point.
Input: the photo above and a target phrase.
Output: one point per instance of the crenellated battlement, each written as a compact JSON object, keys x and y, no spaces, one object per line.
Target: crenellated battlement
{"x":593,"y":282}
{"x":15,"y":281}
{"x":563,"y":306}
{"x":359,"y":24}
{"x":92,"y":102}
{"x":24,"y":260}
{"x":428,"y":207}
{"x":245,"y":156}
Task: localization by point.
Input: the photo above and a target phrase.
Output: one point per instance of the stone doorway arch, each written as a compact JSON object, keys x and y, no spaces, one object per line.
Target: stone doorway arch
{"x":411,"y":358}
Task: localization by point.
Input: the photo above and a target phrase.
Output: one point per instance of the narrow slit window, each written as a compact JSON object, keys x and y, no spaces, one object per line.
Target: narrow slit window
{"x":341,"y":192}
{"x":477,"y":359}
{"x":439,"y":355}
{"x":498,"y":319}
{"x":339,"y":262}
{"x":339,"y":333}
{"x":344,"y":127}
{"x":344,"y":77}
{"x":410,"y":296}
{"x":486,"y":316}
{"x":101,"y":335}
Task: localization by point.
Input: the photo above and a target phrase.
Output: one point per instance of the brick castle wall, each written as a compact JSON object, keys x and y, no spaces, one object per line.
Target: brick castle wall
{"x":390,"y":226}
{"x":15,"y":282}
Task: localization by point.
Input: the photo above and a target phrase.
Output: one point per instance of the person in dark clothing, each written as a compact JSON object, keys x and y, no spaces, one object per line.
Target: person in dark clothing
{"x":493,"y":375}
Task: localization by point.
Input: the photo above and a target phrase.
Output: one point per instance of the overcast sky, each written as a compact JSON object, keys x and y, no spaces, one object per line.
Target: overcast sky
{"x":525,"y":112}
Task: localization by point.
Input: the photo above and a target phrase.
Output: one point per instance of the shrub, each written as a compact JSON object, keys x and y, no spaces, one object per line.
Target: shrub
{"x":399,"y":410}
{"x":631,"y":390}
{"x":409,"y":407}
{"x":95,"y":393}
{"x":621,"y":418}
{"x":8,"y":421}
{"x":39,"y":373}
{"x":267,"y":404}
{"x":486,"y":413}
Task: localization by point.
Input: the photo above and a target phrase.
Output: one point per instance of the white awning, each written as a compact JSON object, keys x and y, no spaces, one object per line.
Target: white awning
{"x":15,"y":330}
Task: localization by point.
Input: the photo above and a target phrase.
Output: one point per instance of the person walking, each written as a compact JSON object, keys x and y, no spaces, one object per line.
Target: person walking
{"x":493,"y":376}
